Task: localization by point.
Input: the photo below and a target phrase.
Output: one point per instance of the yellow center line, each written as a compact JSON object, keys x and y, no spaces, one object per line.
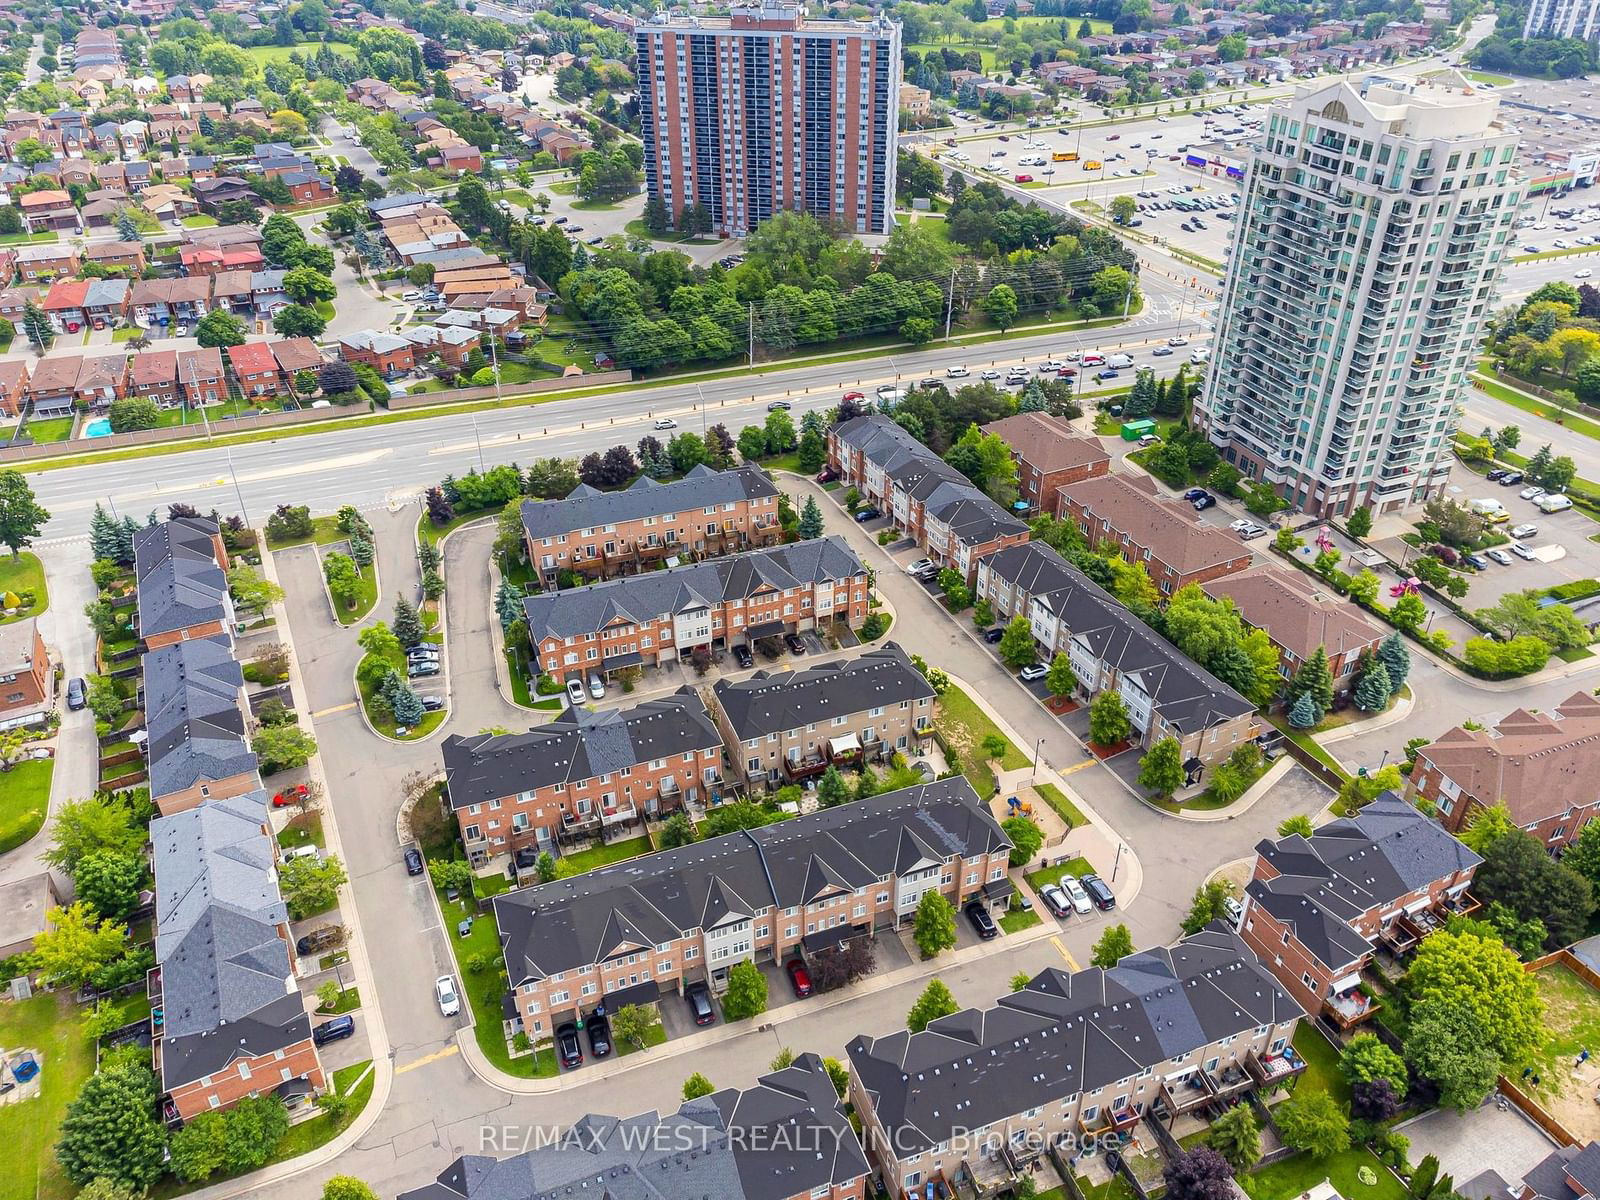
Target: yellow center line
{"x":446,"y":1053}
{"x":1088,"y":762}
{"x":1054,"y":941}
{"x":337,"y":708}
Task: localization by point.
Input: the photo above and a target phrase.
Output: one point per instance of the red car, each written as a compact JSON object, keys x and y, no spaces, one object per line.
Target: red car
{"x":799,"y":977}
{"x":1022,"y":178}
{"x":293,"y":795}
{"x":827,"y":475}
{"x":1067,"y":373}
{"x":855,"y":395}
{"x":1113,"y":137}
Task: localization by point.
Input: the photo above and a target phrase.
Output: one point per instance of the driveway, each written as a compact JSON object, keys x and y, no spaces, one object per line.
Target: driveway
{"x":1483,"y":1139}
{"x":474,"y":697}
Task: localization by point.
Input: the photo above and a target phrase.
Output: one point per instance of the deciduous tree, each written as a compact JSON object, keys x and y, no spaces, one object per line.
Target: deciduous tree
{"x":1115,"y":944}
{"x":934,"y":928}
{"x":935,"y":1001}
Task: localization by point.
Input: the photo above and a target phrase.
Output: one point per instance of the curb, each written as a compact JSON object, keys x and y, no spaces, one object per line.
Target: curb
{"x":1399,"y":711}
{"x":1244,"y":803}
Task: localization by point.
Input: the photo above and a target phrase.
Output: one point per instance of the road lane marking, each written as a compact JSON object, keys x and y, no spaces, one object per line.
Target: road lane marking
{"x":337,"y":708}
{"x":1065,"y":953}
{"x":1088,"y":762}
{"x":426,"y":1059}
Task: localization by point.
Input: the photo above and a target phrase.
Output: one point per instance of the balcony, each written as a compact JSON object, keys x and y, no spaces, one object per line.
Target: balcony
{"x":1350,"y":1008}
{"x":798,"y":766}
{"x":615,"y":813}
{"x":1180,"y":1096}
{"x":1228,"y":1081}
{"x":1271,"y":1070}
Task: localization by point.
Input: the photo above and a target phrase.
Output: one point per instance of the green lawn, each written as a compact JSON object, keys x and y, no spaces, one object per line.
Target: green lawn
{"x":1296,"y":1176}
{"x":383,"y":720}
{"x":1018,"y":919}
{"x":302,"y":830}
{"x":1539,"y":408}
{"x":1064,"y":808}
{"x":25,"y":573}
{"x":965,"y":725}
{"x":200,"y":220}
{"x":596,"y":205}
{"x":47,"y":1023}
{"x":1307,"y":743}
{"x":656,"y":1037}
{"x":637,"y":229}
{"x":349,"y":1000}
{"x":1572,"y":1023}
{"x":325,"y":309}
{"x":324,"y":531}
{"x":1076,"y":866}
{"x":266,"y":54}
{"x":126,"y":334}
{"x":1322,"y":1064}
{"x":24,"y":801}
{"x":604,"y":856}
{"x":52,"y":429}
{"x":366,"y":597}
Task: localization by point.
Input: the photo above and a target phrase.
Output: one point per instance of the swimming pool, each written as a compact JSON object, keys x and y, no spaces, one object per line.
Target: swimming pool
{"x":99,"y":427}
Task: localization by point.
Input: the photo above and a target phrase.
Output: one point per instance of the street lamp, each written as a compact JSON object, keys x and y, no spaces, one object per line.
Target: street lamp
{"x":1035,"y":769}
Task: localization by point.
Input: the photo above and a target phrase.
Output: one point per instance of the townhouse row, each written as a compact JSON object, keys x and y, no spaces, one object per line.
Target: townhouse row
{"x":587,"y":773}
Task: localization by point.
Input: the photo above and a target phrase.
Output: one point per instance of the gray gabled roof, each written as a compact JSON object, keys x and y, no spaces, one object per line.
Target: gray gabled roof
{"x":773,"y":702}
{"x":179,"y":581}
{"x":787,"y":1136}
{"x":578,"y":612}
{"x":577,"y":745}
{"x":1064,"y":1035}
{"x":571,"y":923}
{"x":1352,"y":866}
{"x":589,"y":508}
{"x":193,"y":716}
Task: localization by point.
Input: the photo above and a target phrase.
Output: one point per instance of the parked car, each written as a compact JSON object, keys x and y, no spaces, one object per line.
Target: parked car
{"x":597,"y":687}
{"x":1524,"y":531}
{"x":799,"y":977}
{"x":993,"y":636}
{"x":598,"y":1030}
{"x":1195,"y":493}
{"x":867,"y":514}
{"x":827,"y":475}
{"x":424,"y":651}
{"x":575,"y":691}
{"x":919,"y":566}
{"x":795,"y":643}
{"x":419,"y":667}
{"x":982,"y":923}
{"x":1233,"y":909}
{"x":444,"y":990}
{"x":334,"y":1030}
{"x":1532,"y":492}
{"x":665,"y":423}
{"x":698,"y":997}
{"x":77,"y":694}
{"x":432,"y":703}
{"x":318,"y":940}
{"x":742,"y":655}
{"x":568,"y":1047}
{"x":1240,"y":525}
{"x":1033,"y":671}
{"x":1522,"y":551}
{"x":413,"y":858}
{"x":1511,"y":479}
{"x":1251,"y":531}
{"x":1478,"y":562}
{"x":1055,"y":900}
{"x":1099,"y":893}
{"x":1500,"y":556}
{"x":1075,"y":893}
{"x":1201,"y":503}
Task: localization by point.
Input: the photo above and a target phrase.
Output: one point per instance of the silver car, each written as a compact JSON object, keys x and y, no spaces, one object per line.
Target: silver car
{"x":1074,"y":890}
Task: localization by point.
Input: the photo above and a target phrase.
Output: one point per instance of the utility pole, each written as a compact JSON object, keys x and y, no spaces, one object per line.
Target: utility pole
{"x":950,"y":304}
{"x":194,"y":383}
{"x":494,"y":365}
{"x":238,"y":495}
{"x":752,"y":335}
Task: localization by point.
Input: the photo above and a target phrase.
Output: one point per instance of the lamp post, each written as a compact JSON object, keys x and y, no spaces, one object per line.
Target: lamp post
{"x":1035,"y":769}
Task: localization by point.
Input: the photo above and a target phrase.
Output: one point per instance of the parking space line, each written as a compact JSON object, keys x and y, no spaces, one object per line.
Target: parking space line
{"x":1065,"y":953}
{"x":427,"y":1058}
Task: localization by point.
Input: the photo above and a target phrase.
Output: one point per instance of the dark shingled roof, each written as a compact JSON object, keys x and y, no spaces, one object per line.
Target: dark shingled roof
{"x":180,"y":582}
{"x":192,"y":715}
{"x":1351,"y":866}
{"x":1065,"y":1034}
{"x":784,"y":1137}
{"x":782,"y":700}
{"x":575,"y":746}
{"x":571,"y":923}
{"x":588,"y":508}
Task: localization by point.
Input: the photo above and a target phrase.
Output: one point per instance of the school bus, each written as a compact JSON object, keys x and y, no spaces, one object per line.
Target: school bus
{"x":1093,"y":164}
{"x":1068,"y":156}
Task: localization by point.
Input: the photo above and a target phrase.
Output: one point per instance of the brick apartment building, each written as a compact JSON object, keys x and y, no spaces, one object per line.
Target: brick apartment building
{"x":181,"y":583}
{"x":663,"y":616}
{"x":1317,"y":908}
{"x":1050,"y":454}
{"x":580,"y":775}
{"x":1299,"y":615}
{"x":1167,"y":536}
{"x":1071,"y":1057}
{"x":1166,"y":692}
{"x":197,"y":723}
{"x":600,"y":534}
{"x":1541,"y":766}
{"x":733,"y":1145}
{"x":955,"y":523}
{"x":24,"y":673}
{"x":782,"y":727}
{"x":630,"y":933}
{"x":234,"y":1022}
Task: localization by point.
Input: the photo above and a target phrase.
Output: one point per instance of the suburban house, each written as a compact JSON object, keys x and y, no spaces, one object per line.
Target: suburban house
{"x":1566,"y":1173}
{"x":1087,"y":1054}
{"x":1176,"y":547}
{"x":1541,"y":766}
{"x":36,"y":264}
{"x":785,"y":726}
{"x":453,"y":344}
{"x":48,"y":209}
{"x":1166,"y":692}
{"x":1050,"y":455}
{"x":234,"y":1023}
{"x":1316,"y":909}
{"x":580,"y":775}
{"x":213,"y":193}
{"x":632,"y":932}
{"x":154,"y":374}
{"x":255,"y":368}
{"x":101,"y":380}
{"x":231,"y":290}
{"x":295,"y":355}
{"x":196,"y":719}
{"x":200,"y":376}
{"x":13,"y":386}
{"x":733,"y":1145}
{"x":25,"y":902}
{"x":128,"y":256}
{"x":52,"y":387}
{"x":105,"y":302}
{"x":664,"y":616}
{"x":954,"y":522}
{"x":266,"y":292}
{"x":63,"y":304}
{"x":214,"y":260}
{"x":25,"y":683}
{"x":181,"y":585}
{"x":388,"y":354}
{"x":168,"y":301}
{"x":1299,"y":615}
{"x":599,"y":534}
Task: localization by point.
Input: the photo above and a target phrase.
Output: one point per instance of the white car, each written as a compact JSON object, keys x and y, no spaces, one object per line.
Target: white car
{"x":1532,"y":492}
{"x":1051,"y":364}
{"x":665,"y":423}
{"x":886,"y":390}
{"x":597,"y":686}
{"x":1033,"y":671}
{"x":1583,"y":274}
{"x":444,"y":988}
{"x":1521,"y":532}
{"x":1240,"y":525}
{"x":989,"y":374}
{"x":411,"y":297}
{"x":1521,"y":551}
{"x":919,"y":566}
{"x":1500,"y":556}
{"x":1074,"y":890}
{"x":956,"y":372}
{"x":1177,"y":341}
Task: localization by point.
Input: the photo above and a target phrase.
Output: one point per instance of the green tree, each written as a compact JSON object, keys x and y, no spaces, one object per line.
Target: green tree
{"x":1365,"y":1058}
{"x":746,"y":996}
{"x":1297,"y":824}
{"x":697,"y":1085}
{"x":110,"y":880}
{"x":1446,"y":1044}
{"x":676,"y":831}
{"x":1208,"y":904}
{"x":1000,"y":305}
{"x":282,"y":748}
{"x":811,"y":518}
{"x":1303,"y":713}
{"x":21,"y":515}
{"x":1017,"y":647}
{"x":1372,"y":689}
{"x":635,"y":1024}
{"x":219,"y":327}
{"x":200,"y":1148}
{"x":1108,"y":719}
{"x":1060,"y":679}
{"x":1488,"y":826}
{"x":813,"y":451}
{"x":347,"y":1187}
{"x":110,"y":1131}
{"x":1123,"y":209}
{"x":407,"y":623}
{"x":311,"y":885}
{"x":1360,"y":523}
{"x":934,"y":928}
{"x":1026,"y":838}
{"x":1311,"y":1120}
{"x":1161,"y":768}
{"x":75,"y":944}
{"x":250,"y":591}
{"x":1466,"y":972}
{"x":831,"y":789}
{"x":1314,"y":679}
{"x":936,"y":1001}
{"x":131,"y":413}
{"x":1518,"y":873}
{"x":84,"y":827}
{"x":1115,"y":944}
{"x":1236,"y":1135}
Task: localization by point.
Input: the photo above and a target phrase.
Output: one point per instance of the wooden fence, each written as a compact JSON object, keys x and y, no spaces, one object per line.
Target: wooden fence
{"x":1536,"y":1112}
{"x":509,"y":391}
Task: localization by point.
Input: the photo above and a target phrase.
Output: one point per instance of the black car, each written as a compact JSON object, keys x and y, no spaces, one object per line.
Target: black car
{"x":779,"y":406}
{"x":867,"y":514}
{"x":1496,"y":475}
{"x":994,"y":635}
{"x":413,"y":861}
{"x":568,"y":1046}
{"x":794,"y":642}
{"x":1511,"y":479}
{"x":981,"y":921}
{"x":433,"y":704}
{"x":1099,"y":892}
{"x":599,"y":1031}
{"x":418,"y":667}
{"x":698,"y":997}
{"x":77,"y":697}
{"x":1195,"y":493}
{"x":742,"y":655}
{"x":1201,"y":503}
{"x":334,"y":1030}
{"x":319,"y":940}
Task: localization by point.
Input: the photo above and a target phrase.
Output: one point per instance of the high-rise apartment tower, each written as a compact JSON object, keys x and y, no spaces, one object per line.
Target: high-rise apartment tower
{"x":1372,"y":226}
{"x":1563,"y":18}
{"x":764,"y":111}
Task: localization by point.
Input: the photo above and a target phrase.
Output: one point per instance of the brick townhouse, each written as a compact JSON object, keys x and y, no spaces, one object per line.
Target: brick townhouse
{"x":600,"y":534}
{"x":630,"y":933}
{"x":785,"y":726}
{"x":664,"y":616}
{"x":1166,"y":692}
{"x":38,"y":263}
{"x":53,"y":385}
{"x":1177,"y":548}
{"x":580,"y":775}
{"x":1071,"y":1057}
{"x":955,"y":523}
{"x":234,"y":1022}
{"x":1317,"y":908}
{"x":1542,"y":766}
{"x":197,"y":724}
{"x":200,"y":376}
{"x":13,"y":387}
{"x":181,"y":586}
{"x":24,"y":673}
{"x":733,"y":1145}
{"x":386,"y":353}
{"x":154,"y":374}
{"x":453,"y":344}
{"x":256,"y":369}
{"x":1050,"y":454}
{"x":1299,"y":614}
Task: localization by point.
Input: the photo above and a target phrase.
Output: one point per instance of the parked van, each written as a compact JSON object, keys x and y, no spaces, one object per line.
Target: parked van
{"x":1486,"y":507}
{"x":1092,"y":358}
{"x":1553,"y":502}
{"x":1120,"y":360}
{"x":1092,"y":164}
